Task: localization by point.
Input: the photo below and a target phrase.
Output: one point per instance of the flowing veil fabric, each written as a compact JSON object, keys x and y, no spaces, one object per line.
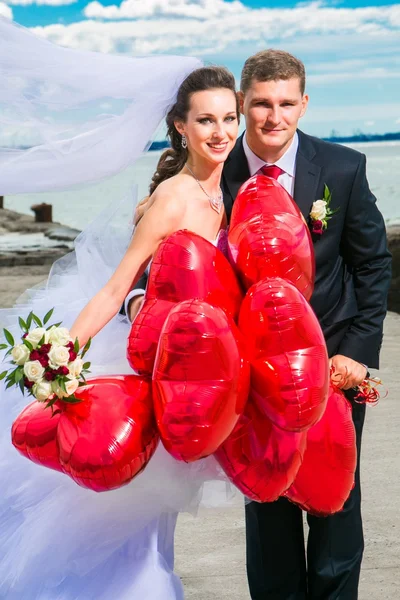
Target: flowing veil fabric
{"x":85,"y":117}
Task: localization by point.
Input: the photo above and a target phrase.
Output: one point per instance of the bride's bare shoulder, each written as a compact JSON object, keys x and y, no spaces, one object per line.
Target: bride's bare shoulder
{"x":170,"y":199}
{"x":179,"y":183}
{"x":174,"y":189}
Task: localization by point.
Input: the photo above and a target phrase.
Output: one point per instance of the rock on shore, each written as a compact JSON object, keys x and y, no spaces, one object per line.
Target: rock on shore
{"x":23,"y":241}
{"x":15,"y":222}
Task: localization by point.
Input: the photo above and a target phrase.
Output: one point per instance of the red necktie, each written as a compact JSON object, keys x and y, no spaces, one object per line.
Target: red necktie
{"x":272,"y":171}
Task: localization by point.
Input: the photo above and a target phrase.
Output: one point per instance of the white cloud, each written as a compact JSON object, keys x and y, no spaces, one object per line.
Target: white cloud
{"x":192,"y":9}
{"x":350,"y":113}
{"x":260,"y":27}
{"x":5,"y":11}
{"x":369,"y":123}
{"x":357,"y":63}
{"x":40,"y":2}
{"x":361,"y":72}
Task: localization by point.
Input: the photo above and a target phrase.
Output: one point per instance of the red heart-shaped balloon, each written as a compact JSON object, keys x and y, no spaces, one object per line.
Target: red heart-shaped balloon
{"x":145,"y":333}
{"x":287,"y":352}
{"x":34,"y":434}
{"x":260,"y":459}
{"x":185,"y":266}
{"x":107,"y":439}
{"x":102,"y":442}
{"x":200,"y":380}
{"x":268,"y":236}
{"x":326,"y":477}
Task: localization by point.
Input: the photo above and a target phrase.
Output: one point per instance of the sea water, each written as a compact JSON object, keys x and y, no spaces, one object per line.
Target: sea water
{"x":76,"y":208}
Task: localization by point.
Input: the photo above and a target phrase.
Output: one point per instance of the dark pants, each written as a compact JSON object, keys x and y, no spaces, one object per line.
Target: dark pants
{"x":276,"y":558}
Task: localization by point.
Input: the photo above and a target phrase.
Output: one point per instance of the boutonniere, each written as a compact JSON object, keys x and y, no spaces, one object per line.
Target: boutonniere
{"x":321,"y":213}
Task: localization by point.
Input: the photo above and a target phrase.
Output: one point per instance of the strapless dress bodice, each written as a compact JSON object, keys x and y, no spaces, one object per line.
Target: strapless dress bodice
{"x":221,"y":241}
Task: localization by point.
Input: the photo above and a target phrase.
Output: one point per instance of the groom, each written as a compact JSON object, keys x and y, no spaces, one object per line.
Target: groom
{"x":353,"y":270}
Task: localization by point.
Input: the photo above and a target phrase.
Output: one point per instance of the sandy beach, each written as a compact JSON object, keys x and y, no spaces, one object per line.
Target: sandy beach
{"x":14,"y":280}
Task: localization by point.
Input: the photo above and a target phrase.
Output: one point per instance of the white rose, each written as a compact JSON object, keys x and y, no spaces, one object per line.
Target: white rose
{"x":20,"y":354}
{"x":58,"y":356}
{"x":42,"y":390}
{"x":36,"y":335}
{"x":75,"y":367}
{"x":318,"y":211}
{"x":33,"y":370}
{"x":71,"y":386}
{"x":59,"y":335}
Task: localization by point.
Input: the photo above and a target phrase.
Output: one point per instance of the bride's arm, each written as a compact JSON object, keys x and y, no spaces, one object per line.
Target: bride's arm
{"x":160,"y":220}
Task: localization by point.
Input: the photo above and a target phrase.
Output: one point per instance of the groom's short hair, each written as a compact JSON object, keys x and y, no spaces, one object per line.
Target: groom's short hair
{"x":272,"y":65}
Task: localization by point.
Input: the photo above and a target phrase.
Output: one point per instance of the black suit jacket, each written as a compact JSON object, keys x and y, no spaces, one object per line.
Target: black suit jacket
{"x":353,"y":264}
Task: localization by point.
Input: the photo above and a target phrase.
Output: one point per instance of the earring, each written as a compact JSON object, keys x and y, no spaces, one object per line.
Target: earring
{"x":184,"y":141}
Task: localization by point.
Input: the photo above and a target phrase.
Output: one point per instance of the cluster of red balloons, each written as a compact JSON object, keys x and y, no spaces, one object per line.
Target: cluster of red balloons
{"x":296,"y":436}
{"x":231,"y":362}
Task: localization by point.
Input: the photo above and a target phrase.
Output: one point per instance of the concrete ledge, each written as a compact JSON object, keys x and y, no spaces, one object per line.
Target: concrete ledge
{"x":15,"y":222}
{"x":33,"y":257}
{"x":32,"y":252}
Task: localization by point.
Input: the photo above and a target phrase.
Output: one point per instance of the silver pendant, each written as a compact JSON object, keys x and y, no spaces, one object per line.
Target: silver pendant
{"x":216,"y":203}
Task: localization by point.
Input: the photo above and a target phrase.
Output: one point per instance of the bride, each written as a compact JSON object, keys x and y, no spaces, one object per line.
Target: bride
{"x":185,"y":190}
{"x":59,"y":541}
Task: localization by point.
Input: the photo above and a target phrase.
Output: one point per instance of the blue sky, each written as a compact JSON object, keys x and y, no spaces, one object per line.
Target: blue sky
{"x":351,"y":48}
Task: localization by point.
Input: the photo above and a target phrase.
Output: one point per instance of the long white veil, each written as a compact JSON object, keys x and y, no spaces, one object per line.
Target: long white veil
{"x":79,"y":116}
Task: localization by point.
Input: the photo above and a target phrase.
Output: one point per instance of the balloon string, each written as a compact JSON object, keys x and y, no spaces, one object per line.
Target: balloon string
{"x":368,"y":392}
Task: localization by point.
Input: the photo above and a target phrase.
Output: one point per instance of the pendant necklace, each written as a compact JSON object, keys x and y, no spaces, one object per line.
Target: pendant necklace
{"x":216,"y":202}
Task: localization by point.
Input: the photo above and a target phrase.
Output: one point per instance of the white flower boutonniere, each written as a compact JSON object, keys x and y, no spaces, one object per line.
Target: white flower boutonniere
{"x":321,"y":213}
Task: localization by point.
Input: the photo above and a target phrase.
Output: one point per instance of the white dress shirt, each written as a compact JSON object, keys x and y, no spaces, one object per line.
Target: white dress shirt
{"x":287,"y":163}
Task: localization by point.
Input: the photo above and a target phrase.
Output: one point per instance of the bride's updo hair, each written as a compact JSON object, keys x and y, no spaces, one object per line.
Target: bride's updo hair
{"x":206,"y":78}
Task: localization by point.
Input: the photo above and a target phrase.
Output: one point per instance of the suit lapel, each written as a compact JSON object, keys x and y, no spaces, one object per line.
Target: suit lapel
{"x":307,"y":175}
{"x":236,"y":172}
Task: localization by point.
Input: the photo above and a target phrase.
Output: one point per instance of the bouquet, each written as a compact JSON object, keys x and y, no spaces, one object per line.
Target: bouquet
{"x":47,"y":363}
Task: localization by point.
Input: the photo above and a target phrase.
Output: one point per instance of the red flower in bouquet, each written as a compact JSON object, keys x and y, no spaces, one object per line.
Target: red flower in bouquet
{"x":34,"y":355}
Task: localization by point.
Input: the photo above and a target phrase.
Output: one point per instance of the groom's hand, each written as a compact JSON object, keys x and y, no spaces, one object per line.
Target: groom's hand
{"x":134,"y":306}
{"x":346,"y":372}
